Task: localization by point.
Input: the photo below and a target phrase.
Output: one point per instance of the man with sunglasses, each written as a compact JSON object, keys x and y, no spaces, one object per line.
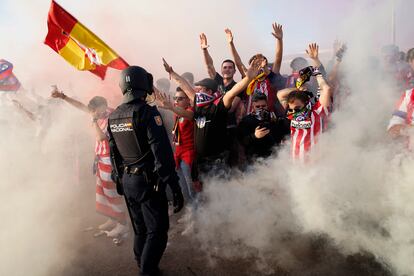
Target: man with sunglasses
{"x":210,"y":115}
{"x":183,"y":135}
{"x":308,"y":120}
{"x":261,"y":130}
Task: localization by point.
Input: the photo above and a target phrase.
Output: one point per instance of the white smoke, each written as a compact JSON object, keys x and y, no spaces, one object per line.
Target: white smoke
{"x":41,"y":189}
{"x":355,"y":189}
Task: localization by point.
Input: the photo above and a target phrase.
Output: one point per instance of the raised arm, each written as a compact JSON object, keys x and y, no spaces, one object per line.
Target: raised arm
{"x":333,"y":75}
{"x":283,"y":94}
{"x":325,"y":89}
{"x":340,"y":50}
{"x":239,"y":64}
{"x":278,"y":34}
{"x":251,"y":73}
{"x":59,"y":94}
{"x":100,"y":135}
{"x":183,"y":83}
{"x":29,"y":114}
{"x":313,"y":53}
{"x":164,"y":101}
{"x":207,"y":58}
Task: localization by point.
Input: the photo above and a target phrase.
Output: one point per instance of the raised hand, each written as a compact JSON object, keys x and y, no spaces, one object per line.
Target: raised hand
{"x":255,"y":67}
{"x":17,"y":103}
{"x":162,"y":100}
{"x":203,"y":41}
{"x":313,"y":51}
{"x":277,"y":31}
{"x":339,"y":53}
{"x":229,"y":35}
{"x":263,"y":63}
{"x":167,"y":67}
{"x":336,"y":46}
{"x":56,"y":93}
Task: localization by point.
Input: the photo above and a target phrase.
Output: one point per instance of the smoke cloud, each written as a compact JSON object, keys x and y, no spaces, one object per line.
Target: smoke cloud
{"x":354,"y":191}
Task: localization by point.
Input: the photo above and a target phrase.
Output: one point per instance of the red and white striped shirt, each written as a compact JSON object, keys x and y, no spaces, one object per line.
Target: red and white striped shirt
{"x":304,"y":133}
{"x":403,"y":114}
{"x":102,"y":147}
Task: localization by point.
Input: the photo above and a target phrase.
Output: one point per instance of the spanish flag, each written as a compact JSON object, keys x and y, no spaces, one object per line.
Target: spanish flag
{"x":78,"y":45}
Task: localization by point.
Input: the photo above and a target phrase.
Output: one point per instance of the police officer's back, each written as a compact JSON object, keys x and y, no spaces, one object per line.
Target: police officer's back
{"x":142,"y":158}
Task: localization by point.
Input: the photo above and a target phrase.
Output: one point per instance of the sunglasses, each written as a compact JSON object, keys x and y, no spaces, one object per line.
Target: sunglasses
{"x":295,"y":110}
{"x":178,"y":99}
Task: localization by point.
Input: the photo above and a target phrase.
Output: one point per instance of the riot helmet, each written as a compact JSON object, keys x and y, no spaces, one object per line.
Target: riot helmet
{"x":135,"y":83}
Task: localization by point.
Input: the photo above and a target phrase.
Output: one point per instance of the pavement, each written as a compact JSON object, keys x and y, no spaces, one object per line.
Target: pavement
{"x":184,"y":255}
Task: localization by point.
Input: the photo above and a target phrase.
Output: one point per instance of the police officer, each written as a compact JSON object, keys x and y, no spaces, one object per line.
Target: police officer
{"x":143,"y":165}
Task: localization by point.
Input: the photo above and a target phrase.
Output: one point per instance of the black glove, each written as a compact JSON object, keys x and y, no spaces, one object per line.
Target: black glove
{"x":178,"y":200}
{"x":316,"y":71}
{"x":117,"y":180}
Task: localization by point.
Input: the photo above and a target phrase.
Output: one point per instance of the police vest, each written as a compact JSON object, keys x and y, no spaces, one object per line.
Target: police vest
{"x":129,"y":132}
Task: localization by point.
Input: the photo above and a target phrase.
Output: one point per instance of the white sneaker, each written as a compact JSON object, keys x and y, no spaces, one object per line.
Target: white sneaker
{"x":188,"y":230}
{"x":109,"y":224}
{"x":182,"y":220}
{"x":120,"y":239}
{"x":186,"y":217}
{"x":119,"y":230}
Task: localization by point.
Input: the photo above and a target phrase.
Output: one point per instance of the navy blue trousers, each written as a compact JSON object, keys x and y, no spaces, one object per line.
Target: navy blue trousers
{"x":149,"y":214}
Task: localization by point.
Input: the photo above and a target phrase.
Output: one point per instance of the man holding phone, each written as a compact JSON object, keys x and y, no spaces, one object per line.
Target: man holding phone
{"x":261,"y":130}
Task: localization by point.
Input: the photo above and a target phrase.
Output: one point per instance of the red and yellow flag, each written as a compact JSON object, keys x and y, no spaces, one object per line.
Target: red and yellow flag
{"x":78,"y":45}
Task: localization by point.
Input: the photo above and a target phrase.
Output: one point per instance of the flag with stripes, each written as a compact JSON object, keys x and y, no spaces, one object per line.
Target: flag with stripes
{"x":78,"y":45}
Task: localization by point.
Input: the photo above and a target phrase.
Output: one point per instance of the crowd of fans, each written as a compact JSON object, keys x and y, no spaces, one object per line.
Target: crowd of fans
{"x":219,"y":125}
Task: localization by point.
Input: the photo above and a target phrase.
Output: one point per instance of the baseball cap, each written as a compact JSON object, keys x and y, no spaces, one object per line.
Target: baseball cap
{"x":208,"y":83}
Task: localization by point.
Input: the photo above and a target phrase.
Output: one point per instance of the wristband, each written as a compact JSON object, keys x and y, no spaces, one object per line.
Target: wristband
{"x":316,"y":72}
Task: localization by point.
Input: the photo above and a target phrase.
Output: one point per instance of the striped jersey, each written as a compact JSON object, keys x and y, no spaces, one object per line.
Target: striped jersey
{"x":403,"y":114}
{"x":102,"y":147}
{"x":304,"y":133}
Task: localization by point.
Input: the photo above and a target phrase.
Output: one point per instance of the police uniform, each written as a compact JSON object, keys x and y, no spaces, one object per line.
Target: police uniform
{"x":143,"y":160}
